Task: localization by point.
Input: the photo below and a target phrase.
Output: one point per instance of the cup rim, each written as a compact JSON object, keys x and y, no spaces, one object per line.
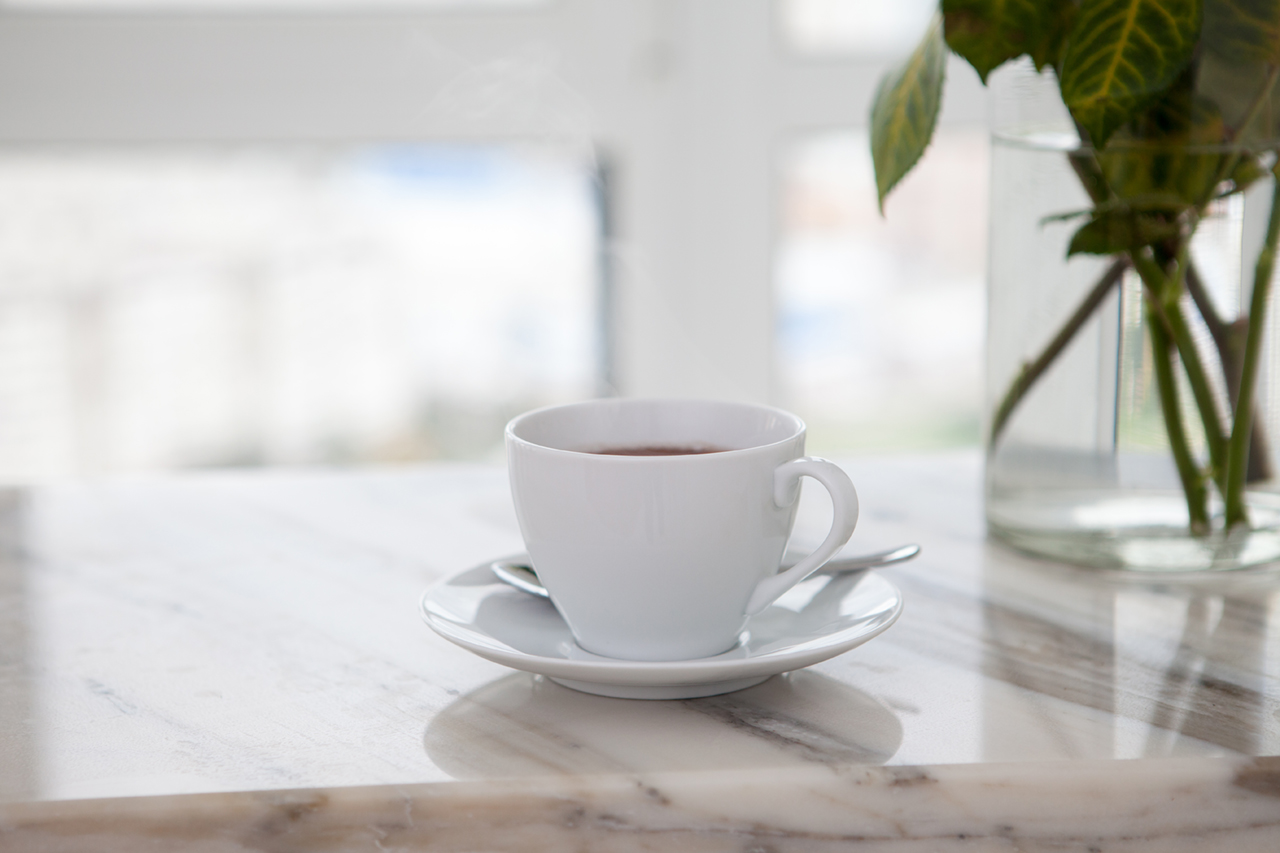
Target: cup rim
{"x":799,"y":427}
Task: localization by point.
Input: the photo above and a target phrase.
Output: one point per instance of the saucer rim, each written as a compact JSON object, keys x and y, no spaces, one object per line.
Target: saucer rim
{"x":658,"y":673}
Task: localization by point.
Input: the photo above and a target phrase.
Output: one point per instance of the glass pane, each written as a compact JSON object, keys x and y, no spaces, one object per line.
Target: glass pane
{"x":192,"y":307}
{"x":880,"y":319}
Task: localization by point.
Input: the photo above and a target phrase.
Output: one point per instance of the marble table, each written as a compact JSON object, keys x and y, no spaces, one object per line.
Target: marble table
{"x":235,"y":661}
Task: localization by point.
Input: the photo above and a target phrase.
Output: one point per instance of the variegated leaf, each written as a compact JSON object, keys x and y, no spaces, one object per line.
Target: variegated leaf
{"x":1121,"y":55}
{"x":1169,"y":154}
{"x":988,"y":33}
{"x":906,"y":109}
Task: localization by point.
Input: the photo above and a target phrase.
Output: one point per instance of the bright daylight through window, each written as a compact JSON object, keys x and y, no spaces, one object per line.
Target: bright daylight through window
{"x":215,"y":273}
{"x":879,"y":318}
{"x":181,"y":307}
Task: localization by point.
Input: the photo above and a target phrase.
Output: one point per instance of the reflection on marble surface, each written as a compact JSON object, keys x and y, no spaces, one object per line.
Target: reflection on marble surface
{"x":259,"y":632}
{"x":526,"y":725}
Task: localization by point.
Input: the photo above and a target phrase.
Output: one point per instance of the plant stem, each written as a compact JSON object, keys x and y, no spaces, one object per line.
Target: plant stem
{"x":1219,"y":329}
{"x":1201,"y":391}
{"x":1229,"y":339}
{"x":1193,"y":486}
{"x":1163,"y":285}
{"x":1032,"y":371}
{"x":1165,"y":292}
{"x":1238,"y":450}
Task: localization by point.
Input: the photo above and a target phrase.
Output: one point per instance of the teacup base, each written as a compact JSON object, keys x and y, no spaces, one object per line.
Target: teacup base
{"x":663,"y":691}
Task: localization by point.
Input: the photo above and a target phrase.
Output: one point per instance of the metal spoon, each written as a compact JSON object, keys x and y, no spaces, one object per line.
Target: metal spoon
{"x":522,"y":577}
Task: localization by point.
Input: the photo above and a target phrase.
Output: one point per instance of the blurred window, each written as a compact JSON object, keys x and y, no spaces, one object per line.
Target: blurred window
{"x":309,"y":288}
{"x":880,"y":318}
{"x":194,"y":306}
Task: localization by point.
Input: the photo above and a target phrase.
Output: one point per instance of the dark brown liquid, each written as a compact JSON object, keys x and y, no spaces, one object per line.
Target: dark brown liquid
{"x":659,"y":450}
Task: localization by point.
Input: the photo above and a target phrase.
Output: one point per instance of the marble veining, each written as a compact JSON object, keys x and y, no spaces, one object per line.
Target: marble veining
{"x":1144,"y":805}
{"x":239,"y":657}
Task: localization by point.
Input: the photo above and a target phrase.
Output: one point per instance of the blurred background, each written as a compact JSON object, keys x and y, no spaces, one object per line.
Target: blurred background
{"x":263,"y":232}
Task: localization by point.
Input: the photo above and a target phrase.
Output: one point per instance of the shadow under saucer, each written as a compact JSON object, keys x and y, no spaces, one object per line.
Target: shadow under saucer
{"x":526,"y":725}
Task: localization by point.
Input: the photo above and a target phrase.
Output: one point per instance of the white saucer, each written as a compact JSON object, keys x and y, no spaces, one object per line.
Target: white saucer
{"x":818,"y":619}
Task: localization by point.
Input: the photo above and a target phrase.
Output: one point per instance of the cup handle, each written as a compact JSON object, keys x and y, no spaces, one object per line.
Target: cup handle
{"x":844,"y":516}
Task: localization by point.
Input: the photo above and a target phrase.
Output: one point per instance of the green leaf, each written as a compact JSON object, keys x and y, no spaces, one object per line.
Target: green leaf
{"x":1048,"y":51}
{"x":1121,"y":55}
{"x":1170,"y":154}
{"x":1242,"y":30}
{"x":1155,"y":177}
{"x":988,"y":33}
{"x":906,"y":109}
{"x":1119,"y":231}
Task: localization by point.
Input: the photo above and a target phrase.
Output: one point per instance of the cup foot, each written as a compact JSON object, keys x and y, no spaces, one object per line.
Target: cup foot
{"x":661,"y":691}
{"x":576,"y":651}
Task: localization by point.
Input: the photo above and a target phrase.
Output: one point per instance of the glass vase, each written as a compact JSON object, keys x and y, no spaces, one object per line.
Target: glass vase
{"x":1081,"y":469}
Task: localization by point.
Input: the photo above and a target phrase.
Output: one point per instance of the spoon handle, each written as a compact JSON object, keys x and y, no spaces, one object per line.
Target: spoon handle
{"x":516,"y":573}
{"x":867,"y":561}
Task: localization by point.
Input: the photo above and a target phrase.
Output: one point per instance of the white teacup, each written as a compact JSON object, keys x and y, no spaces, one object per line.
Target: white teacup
{"x":658,"y":526}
